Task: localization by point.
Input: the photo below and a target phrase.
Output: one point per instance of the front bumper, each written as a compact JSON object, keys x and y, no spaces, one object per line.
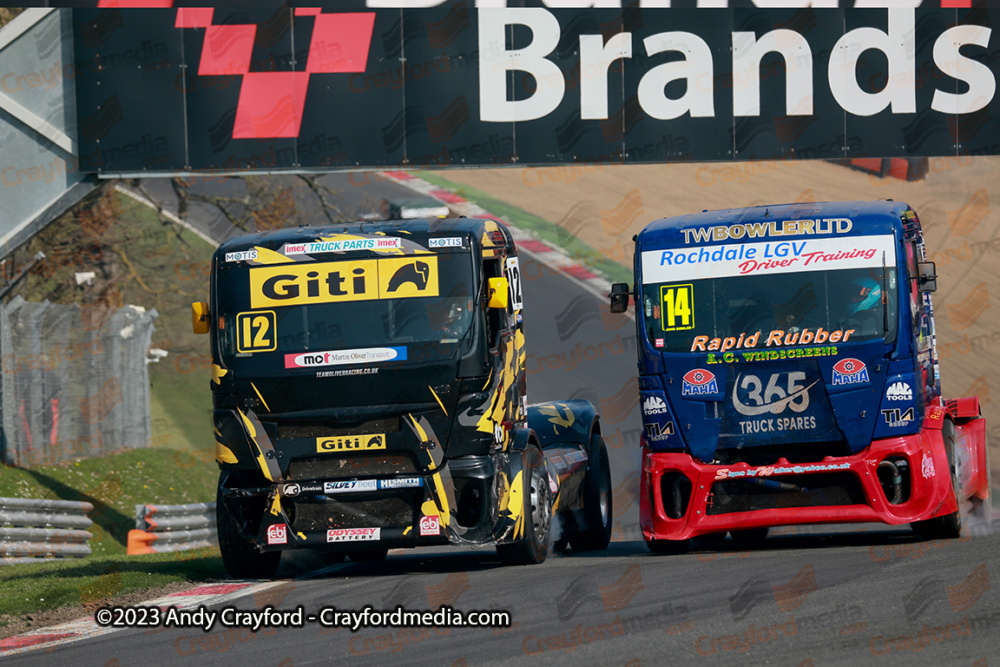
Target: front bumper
{"x":681,"y":498}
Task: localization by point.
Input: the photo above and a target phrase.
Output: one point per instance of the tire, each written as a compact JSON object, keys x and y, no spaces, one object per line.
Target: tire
{"x":368,"y":555}
{"x":946,"y":527}
{"x":673,"y":547}
{"x":749,"y":536}
{"x":532,"y":548}
{"x":242,"y":559}
{"x":597,"y":501}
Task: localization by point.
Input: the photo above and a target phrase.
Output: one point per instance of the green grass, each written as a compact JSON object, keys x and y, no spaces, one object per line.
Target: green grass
{"x":539,"y":227}
{"x":137,"y":260}
{"x":32,"y":587}
{"x":115,"y":484}
{"x":142,"y":261}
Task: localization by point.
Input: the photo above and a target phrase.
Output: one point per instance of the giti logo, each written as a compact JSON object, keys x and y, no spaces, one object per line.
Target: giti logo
{"x":271,"y":103}
{"x":331,"y":282}
{"x":350,"y":443}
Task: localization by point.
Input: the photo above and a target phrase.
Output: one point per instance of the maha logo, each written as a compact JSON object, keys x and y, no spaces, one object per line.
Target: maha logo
{"x":698,"y":382}
{"x":849,"y":371}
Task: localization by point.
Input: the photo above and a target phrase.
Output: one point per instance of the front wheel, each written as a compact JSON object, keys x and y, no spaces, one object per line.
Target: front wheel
{"x":536,"y":517}
{"x":597,"y":498}
{"x":946,"y":527}
{"x":241,"y":558}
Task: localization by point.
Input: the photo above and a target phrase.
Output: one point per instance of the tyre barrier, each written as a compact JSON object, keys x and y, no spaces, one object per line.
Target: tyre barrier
{"x":32,"y":531}
{"x":167,"y":528}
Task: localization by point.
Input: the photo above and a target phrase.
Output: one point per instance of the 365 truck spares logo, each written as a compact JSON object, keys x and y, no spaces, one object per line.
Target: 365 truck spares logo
{"x":271,"y":103}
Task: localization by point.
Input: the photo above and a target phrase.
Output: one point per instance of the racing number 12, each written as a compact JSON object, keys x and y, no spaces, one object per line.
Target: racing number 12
{"x":676,"y":305}
{"x":255,"y":331}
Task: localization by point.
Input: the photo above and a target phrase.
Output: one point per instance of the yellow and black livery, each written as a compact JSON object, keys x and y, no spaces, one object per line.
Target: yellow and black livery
{"x":369,"y":393}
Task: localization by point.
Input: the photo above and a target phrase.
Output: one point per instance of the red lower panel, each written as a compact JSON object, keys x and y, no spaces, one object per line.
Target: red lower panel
{"x":930,"y":494}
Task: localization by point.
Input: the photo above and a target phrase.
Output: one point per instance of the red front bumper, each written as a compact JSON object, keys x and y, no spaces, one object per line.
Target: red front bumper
{"x":930,"y":489}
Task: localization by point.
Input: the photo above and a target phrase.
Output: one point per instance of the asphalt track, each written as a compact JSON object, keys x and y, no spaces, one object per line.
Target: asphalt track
{"x":822,"y":595}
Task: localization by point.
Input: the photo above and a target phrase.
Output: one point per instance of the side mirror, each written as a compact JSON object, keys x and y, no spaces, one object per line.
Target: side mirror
{"x":498,"y":293}
{"x":619,"y":297}
{"x":926,"y":277}
{"x":199,"y":317}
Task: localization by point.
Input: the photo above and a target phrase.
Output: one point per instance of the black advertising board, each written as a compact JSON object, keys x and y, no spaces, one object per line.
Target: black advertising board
{"x":264,"y":88}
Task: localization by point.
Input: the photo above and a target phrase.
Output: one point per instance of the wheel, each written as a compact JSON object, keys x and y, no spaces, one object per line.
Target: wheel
{"x":749,"y":536}
{"x":368,"y":555}
{"x":240,"y":557}
{"x":533,"y":545}
{"x":946,"y":527}
{"x":668,"y":546}
{"x":597,"y":501}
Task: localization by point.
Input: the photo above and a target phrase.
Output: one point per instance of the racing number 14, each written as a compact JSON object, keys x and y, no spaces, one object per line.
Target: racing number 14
{"x":676,"y":303}
{"x":255,"y":331}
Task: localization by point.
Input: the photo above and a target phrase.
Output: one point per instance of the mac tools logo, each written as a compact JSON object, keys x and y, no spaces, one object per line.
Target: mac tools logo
{"x":654,"y":405}
{"x":271,"y":103}
{"x":899,"y":391}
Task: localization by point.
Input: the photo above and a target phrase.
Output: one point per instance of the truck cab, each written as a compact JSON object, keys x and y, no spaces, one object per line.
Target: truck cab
{"x":788,"y":375}
{"x":369,"y":393}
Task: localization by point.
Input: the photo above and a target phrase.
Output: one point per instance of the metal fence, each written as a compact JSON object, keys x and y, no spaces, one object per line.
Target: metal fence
{"x":32,"y":530}
{"x":163,"y":528}
{"x":74,"y":381}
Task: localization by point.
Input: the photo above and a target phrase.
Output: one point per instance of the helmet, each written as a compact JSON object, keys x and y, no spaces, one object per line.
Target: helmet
{"x":863,"y":294}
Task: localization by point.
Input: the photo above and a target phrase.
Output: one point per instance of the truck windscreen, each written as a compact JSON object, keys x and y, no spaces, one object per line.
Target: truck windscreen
{"x":771,"y":310}
{"x":346,"y":312}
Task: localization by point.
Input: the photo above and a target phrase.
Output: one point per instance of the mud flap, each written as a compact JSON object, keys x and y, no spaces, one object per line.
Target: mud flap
{"x":513,"y":480}
{"x":973,"y":454}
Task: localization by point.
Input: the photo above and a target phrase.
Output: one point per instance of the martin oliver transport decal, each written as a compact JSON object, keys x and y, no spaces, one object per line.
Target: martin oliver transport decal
{"x":768,"y":258}
{"x":344,"y":357}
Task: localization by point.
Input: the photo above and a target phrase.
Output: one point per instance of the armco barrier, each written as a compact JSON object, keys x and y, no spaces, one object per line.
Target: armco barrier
{"x":34,"y":530}
{"x":164,"y":528}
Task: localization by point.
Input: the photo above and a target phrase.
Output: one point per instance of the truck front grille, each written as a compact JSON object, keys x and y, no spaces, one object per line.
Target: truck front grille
{"x":783,"y":491}
{"x":391,"y":512}
{"x":762,"y":455}
{"x":353,"y":465}
{"x":317,"y":430}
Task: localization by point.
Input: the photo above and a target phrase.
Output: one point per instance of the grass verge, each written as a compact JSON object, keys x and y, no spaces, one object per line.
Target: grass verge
{"x":35,"y":588}
{"x":539,"y":227}
{"x":115,"y":484}
{"x":136,"y":258}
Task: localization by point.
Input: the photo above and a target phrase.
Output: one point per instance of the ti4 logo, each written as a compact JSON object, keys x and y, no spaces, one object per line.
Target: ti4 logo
{"x":896,"y":417}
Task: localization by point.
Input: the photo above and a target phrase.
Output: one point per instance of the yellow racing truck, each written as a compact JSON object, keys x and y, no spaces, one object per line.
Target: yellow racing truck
{"x":368,"y":385}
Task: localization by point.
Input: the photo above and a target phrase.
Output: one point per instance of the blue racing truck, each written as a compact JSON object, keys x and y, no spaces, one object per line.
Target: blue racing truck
{"x":788,"y":375}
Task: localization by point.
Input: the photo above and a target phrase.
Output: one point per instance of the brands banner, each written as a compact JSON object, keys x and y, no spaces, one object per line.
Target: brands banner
{"x":238,"y":88}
